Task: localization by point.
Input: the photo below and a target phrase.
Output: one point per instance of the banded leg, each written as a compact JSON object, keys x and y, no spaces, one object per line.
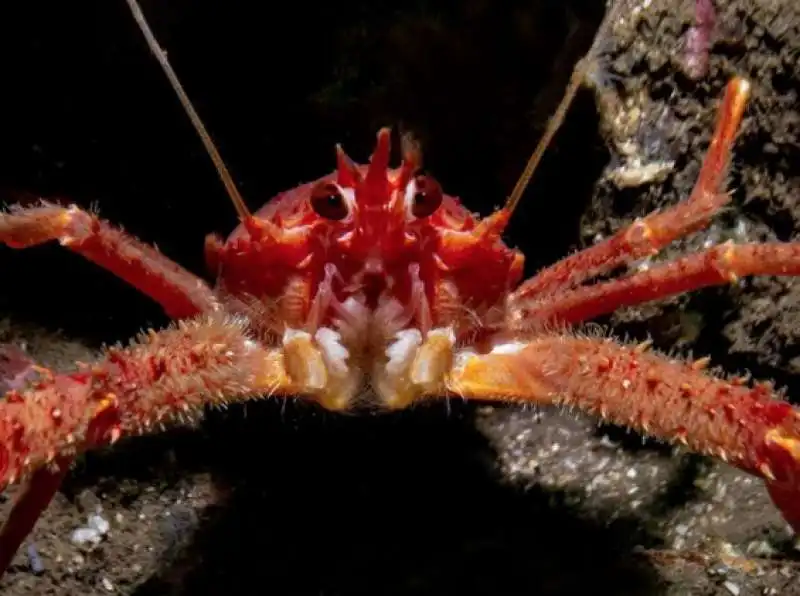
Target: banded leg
{"x":180,"y":293}
{"x":647,"y":236}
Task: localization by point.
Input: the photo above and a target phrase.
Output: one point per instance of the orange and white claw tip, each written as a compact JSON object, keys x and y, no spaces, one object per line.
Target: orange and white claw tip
{"x":737,"y":94}
{"x":740,"y":89}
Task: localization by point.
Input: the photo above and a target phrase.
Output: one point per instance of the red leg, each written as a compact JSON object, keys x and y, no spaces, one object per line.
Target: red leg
{"x":667,"y":399}
{"x":650,"y":234}
{"x":29,"y":504}
{"x":16,"y":368}
{"x":166,"y":376}
{"x":15,"y":372}
{"x":178,"y":291}
{"x":181,"y":293}
{"x":718,"y":265}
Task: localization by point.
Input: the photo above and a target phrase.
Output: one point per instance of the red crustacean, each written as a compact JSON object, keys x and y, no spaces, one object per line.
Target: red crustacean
{"x":371,"y":287}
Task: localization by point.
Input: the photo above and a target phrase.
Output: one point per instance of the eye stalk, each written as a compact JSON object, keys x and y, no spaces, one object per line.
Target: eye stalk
{"x":424,"y":196}
{"x":328,"y":201}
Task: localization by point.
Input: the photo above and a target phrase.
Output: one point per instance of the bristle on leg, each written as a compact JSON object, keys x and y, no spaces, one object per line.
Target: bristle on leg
{"x":675,"y":401}
{"x":156,"y":380}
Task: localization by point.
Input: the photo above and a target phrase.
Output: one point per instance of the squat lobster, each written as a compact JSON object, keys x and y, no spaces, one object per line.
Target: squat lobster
{"x":371,"y":287}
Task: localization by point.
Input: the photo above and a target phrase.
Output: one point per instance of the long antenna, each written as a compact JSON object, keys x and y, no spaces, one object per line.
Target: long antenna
{"x":579,"y":73}
{"x":161,"y":56}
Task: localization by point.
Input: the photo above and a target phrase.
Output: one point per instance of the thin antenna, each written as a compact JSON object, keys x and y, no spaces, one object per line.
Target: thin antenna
{"x":557,"y":119}
{"x":161,"y":56}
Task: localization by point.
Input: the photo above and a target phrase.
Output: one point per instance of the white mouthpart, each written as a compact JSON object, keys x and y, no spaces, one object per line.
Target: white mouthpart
{"x":334,"y":352}
{"x":402,"y":350}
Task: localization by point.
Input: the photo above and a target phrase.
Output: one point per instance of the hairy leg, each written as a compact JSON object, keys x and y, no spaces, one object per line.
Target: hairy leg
{"x":721,"y":264}
{"x":180,"y":293}
{"x":647,"y":236}
{"x":668,"y":399}
{"x":165,"y":376}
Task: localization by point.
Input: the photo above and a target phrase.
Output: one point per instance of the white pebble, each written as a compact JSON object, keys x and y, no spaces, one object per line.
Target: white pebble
{"x":84,"y":535}
{"x":107,"y":584}
{"x":99,"y":523}
{"x":93,"y":532}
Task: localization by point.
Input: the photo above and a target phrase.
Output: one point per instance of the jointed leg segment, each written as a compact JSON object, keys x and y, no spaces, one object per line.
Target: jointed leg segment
{"x":164,"y":376}
{"x":671,"y":400}
{"x":721,"y":264}
{"x":647,"y":236}
{"x":179,"y":292}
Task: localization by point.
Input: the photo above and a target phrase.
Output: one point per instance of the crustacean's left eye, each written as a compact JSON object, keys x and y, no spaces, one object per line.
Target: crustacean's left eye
{"x":328,"y":201}
{"x":423,"y":197}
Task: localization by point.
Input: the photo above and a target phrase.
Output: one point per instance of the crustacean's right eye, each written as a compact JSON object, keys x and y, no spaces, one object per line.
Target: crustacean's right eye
{"x":423,"y":197}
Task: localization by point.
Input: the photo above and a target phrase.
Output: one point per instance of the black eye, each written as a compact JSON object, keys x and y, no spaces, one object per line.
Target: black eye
{"x":427,"y":197}
{"x":327,"y":201}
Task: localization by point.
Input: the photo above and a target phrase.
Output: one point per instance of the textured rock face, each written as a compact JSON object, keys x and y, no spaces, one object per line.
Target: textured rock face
{"x":753,"y":324}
